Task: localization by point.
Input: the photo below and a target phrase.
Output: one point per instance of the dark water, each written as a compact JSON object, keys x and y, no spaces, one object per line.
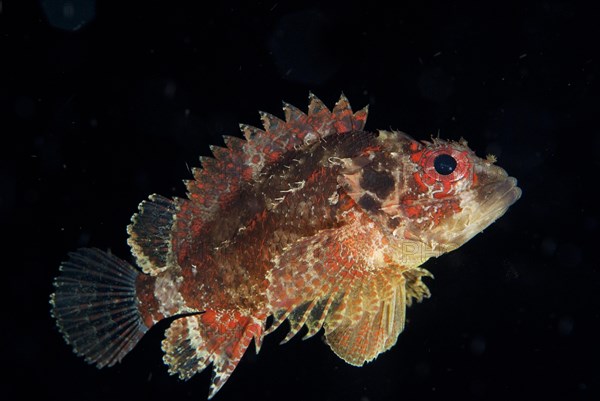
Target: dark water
{"x":105,"y":104}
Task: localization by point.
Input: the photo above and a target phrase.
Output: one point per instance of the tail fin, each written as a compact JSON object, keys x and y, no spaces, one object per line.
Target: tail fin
{"x":95,"y":306}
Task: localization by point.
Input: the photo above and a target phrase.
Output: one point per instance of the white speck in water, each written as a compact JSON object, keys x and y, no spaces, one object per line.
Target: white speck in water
{"x":565,"y":326}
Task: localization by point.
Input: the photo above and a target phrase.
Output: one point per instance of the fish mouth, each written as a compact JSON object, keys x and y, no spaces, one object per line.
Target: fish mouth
{"x":499,"y":196}
{"x":480,"y":208}
{"x":490,"y":203}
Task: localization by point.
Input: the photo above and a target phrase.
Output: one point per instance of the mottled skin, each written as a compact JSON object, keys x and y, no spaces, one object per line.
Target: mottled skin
{"x":313,"y":220}
{"x":330,"y":234}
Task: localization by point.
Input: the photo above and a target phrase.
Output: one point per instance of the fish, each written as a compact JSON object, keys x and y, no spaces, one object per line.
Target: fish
{"x":310,"y":219}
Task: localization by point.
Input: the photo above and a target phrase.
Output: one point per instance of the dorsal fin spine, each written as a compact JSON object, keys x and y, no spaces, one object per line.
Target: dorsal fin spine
{"x":242,"y":161}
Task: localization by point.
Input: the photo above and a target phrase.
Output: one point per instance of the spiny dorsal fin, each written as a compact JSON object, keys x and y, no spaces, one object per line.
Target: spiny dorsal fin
{"x":152,"y":238}
{"x":343,"y":115}
{"x":221,"y":178}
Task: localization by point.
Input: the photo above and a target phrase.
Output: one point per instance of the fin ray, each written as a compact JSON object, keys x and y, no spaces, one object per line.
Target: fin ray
{"x":369,"y":327}
{"x":150,"y":234}
{"x":101,"y":324}
{"x":360,"y":306}
{"x":217,"y":337}
{"x":415,"y":288}
{"x":220,"y":179}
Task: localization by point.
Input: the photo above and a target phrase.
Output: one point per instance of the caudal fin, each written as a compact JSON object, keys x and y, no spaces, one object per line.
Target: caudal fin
{"x":95,"y":306}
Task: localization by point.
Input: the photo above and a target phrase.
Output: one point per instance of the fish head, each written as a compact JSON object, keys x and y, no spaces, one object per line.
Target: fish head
{"x":451,"y":194}
{"x":430,"y":196}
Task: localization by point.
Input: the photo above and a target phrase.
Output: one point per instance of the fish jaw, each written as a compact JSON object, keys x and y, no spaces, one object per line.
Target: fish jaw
{"x":480,"y":207}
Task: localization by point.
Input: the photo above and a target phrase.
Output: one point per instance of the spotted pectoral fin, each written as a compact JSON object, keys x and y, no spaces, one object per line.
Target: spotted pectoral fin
{"x":323,"y":282}
{"x":375,"y":315}
{"x":371,"y":322}
{"x":309,"y":281}
{"x":220,"y":338}
{"x":362,"y":315}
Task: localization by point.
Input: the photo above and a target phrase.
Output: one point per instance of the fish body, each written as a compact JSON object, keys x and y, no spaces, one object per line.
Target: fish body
{"x":311,"y":219}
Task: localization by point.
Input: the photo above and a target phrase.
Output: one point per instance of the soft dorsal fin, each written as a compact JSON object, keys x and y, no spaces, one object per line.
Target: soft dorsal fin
{"x":150,"y":233}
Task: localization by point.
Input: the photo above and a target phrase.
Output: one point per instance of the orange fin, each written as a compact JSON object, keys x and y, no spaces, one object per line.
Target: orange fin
{"x":220,"y":338}
{"x":372,"y":320}
{"x":324,"y":281}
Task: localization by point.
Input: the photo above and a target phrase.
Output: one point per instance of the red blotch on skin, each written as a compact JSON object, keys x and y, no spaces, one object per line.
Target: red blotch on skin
{"x":208,"y":317}
{"x":419,"y":181}
{"x":370,"y":149}
{"x":413,"y":211}
{"x":415,"y":157}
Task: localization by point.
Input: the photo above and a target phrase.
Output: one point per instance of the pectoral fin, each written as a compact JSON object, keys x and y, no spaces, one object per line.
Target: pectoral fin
{"x":372,"y":320}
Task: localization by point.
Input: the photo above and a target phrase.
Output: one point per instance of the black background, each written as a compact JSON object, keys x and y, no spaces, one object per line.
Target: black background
{"x":102,"y":105}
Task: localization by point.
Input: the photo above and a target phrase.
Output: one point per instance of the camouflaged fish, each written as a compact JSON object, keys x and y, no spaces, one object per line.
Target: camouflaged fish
{"x":311,"y":219}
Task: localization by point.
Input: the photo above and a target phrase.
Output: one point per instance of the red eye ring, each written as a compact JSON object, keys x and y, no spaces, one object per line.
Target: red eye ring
{"x":462,"y":164}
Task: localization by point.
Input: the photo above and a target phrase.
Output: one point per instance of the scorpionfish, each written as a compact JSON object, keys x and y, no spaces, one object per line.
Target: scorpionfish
{"x":311,"y":219}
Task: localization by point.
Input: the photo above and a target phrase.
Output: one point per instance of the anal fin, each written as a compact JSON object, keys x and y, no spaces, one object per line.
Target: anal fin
{"x":217,"y":337}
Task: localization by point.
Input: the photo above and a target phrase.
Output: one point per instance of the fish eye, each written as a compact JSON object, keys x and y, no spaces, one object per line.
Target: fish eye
{"x":444,"y":164}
